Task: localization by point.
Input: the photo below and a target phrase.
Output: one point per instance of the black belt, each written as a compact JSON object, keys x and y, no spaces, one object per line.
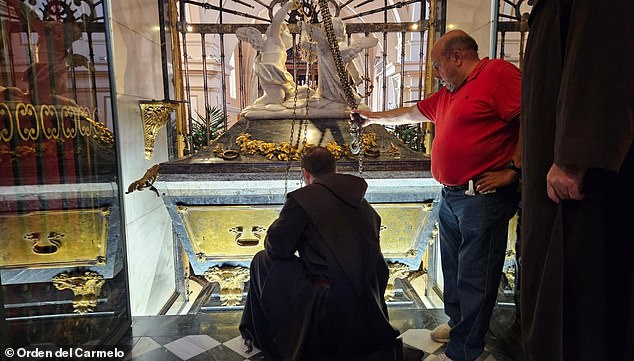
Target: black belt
{"x":462,"y":187}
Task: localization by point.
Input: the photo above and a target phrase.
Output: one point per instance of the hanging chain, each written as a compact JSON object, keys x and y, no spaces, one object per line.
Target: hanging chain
{"x":356,"y":131}
{"x":306,"y":107}
{"x":308,"y":65}
{"x":290,"y":140}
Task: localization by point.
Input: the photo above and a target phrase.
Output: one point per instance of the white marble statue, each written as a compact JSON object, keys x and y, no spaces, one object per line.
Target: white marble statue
{"x":270,"y":65}
{"x":281,"y":98}
{"x":329,"y":85}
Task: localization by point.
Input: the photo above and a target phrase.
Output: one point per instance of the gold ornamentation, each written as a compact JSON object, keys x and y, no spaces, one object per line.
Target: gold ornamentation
{"x":70,"y":113}
{"x":393,"y":151}
{"x":50,"y":112}
{"x":231,"y":280}
{"x":154,"y":115}
{"x":285,"y":151}
{"x":147,"y":181}
{"x":57,"y":238}
{"x":181,"y":209}
{"x":256,"y":235}
{"x":397,"y":270}
{"x":48,"y":245}
{"x":282,"y":151}
{"x":220,"y":233}
{"x":335,"y":149}
{"x":6,"y":134}
{"x":509,"y":273}
{"x":227,"y":233}
{"x":86,"y":286}
{"x":24,"y":113}
{"x":65,"y":122}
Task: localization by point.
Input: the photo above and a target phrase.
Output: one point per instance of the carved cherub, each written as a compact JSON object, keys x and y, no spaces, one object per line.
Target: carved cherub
{"x":270,"y":65}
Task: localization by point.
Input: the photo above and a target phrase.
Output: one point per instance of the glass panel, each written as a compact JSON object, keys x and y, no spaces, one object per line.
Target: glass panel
{"x":62,"y":265}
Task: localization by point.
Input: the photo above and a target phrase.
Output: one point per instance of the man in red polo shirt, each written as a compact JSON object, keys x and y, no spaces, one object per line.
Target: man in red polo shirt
{"x":476,"y":155}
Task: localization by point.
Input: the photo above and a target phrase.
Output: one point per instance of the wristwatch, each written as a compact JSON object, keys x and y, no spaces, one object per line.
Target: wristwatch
{"x":511,"y":165}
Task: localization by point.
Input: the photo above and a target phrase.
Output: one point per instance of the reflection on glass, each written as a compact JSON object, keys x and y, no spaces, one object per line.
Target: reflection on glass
{"x":61,"y":254}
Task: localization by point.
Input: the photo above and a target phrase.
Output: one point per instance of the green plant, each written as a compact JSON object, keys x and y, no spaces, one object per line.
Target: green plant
{"x":411,"y":135}
{"x":212,"y":123}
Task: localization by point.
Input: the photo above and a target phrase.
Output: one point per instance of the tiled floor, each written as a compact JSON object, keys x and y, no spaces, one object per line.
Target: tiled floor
{"x":214,"y":335}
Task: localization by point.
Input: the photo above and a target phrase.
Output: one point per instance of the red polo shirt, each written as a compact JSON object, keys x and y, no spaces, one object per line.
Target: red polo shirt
{"x":476,"y":126}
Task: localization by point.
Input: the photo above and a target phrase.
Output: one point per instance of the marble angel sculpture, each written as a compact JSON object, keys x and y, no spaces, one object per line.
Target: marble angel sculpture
{"x":270,"y":64}
{"x":314,"y":40}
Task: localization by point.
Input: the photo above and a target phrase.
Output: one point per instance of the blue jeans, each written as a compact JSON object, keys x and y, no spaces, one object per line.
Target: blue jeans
{"x":473,"y":238}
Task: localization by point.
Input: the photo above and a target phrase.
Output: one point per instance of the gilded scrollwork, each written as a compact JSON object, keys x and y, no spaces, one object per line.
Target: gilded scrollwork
{"x":231,"y":280}
{"x":24,"y":113}
{"x":397,"y":270}
{"x":50,"y":122}
{"x":6,"y":134}
{"x":69,"y":113}
{"x":86,"y":287}
{"x":154,"y":115}
{"x":49,"y":112}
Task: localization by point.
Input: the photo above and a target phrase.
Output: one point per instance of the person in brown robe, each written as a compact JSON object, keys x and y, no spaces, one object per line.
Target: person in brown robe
{"x":577,"y":253}
{"x":317,"y":289}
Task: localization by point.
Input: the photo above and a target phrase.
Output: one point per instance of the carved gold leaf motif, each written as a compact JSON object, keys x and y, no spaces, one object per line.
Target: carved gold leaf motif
{"x":154,"y":115}
{"x":86,"y":286}
{"x":231,"y":280}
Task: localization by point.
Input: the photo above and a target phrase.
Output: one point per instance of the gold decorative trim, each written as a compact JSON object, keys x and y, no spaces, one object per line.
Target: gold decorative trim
{"x":154,"y":115}
{"x":181,"y":209}
{"x":397,"y":270}
{"x":231,"y":280}
{"x":51,"y":122}
{"x":147,"y":181}
{"x":285,"y":151}
{"x":86,"y":286}
{"x":510,"y":273}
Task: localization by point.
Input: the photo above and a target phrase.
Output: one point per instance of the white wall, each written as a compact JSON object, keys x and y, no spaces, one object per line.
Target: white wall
{"x":138,"y":76}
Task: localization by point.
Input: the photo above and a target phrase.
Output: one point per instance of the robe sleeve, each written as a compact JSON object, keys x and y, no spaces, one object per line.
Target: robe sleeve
{"x":285,"y":232}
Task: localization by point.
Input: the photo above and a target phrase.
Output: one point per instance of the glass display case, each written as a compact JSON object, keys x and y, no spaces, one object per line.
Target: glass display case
{"x":62,"y":254}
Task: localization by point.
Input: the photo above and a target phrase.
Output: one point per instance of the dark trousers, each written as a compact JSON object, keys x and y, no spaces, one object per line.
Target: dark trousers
{"x":473,"y":238}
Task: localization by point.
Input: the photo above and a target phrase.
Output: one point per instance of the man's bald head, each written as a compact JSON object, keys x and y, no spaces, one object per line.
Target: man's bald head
{"x":457,"y":40}
{"x":453,"y":57}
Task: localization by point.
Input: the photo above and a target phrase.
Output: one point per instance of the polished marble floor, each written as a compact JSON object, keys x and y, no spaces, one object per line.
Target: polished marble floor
{"x":213,"y":335}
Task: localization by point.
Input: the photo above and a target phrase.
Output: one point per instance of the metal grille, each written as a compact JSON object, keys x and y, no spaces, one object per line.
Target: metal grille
{"x":512,"y":29}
